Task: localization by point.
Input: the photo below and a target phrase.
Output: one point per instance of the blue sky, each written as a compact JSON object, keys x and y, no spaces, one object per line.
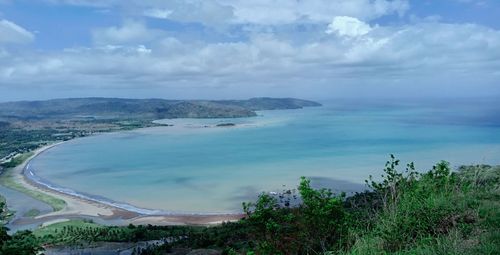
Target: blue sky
{"x":237,"y":49}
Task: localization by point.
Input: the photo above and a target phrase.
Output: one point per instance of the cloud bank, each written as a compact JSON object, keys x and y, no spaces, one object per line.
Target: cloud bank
{"x":281,"y":48}
{"x":13,"y":33}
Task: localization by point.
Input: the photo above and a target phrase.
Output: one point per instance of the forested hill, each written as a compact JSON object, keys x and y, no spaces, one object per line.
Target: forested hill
{"x":144,"y":108}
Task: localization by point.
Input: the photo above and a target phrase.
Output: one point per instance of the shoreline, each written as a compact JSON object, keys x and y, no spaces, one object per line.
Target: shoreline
{"x":80,"y":206}
{"x":35,"y":180}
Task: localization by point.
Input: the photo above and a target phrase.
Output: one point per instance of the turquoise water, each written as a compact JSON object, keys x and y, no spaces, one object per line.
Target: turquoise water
{"x":189,"y":168}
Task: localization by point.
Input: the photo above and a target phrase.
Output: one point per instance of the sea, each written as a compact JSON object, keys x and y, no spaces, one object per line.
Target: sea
{"x":195,"y":167}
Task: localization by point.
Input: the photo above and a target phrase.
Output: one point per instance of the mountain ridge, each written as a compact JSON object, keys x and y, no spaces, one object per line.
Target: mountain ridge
{"x":103,"y":107}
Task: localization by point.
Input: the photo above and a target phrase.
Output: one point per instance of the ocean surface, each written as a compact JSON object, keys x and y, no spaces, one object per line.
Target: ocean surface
{"x":193,"y":167}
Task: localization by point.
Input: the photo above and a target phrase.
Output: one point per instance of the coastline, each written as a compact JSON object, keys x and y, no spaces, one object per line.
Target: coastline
{"x":79,"y":206}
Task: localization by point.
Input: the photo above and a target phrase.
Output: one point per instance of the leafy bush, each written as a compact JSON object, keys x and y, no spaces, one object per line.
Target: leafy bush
{"x":407,"y":212}
{"x":313,"y":227}
{"x":21,"y":243}
{"x":436,"y":212}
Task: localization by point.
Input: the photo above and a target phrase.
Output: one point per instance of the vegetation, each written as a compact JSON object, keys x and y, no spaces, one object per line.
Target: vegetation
{"x":17,"y":160}
{"x":16,"y":140}
{"x":317,"y":224}
{"x":109,"y":108}
{"x":437,"y":212}
{"x":25,"y":135}
{"x":27,"y":125}
{"x":32,"y":213}
{"x":22,"y":242}
{"x":5,"y":214}
{"x":407,"y":212}
{"x":7,"y":180}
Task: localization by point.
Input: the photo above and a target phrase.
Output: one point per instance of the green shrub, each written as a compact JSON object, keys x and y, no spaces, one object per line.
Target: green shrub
{"x":313,"y":227}
{"x":407,"y":212}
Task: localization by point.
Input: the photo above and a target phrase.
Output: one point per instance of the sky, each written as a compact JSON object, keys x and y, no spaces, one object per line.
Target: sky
{"x":231,"y":49}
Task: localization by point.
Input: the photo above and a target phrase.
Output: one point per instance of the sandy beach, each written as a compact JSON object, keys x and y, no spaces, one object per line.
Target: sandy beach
{"x":80,"y":208}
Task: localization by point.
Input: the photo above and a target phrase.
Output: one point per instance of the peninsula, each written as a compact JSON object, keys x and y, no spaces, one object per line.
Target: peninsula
{"x":27,"y":125}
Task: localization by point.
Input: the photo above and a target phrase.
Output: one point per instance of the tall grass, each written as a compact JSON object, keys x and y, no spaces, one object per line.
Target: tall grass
{"x":438,"y":212}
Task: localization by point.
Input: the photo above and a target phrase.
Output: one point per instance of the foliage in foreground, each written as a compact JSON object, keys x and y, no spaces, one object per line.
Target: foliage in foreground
{"x":436,"y":212}
{"x":315,"y":225}
{"x":22,"y":242}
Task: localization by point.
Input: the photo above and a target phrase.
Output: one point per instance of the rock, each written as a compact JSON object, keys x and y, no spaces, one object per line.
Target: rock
{"x":226,"y":125}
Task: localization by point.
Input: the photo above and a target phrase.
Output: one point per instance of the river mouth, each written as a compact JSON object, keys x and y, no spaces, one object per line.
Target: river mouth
{"x":194,"y":167}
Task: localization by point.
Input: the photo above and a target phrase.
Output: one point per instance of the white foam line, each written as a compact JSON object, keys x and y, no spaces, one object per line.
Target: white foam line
{"x":124,"y":206}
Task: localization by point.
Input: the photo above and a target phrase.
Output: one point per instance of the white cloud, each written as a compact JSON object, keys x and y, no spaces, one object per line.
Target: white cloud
{"x":421,"y":55}
{"x":259,"y":12}
{"x":157,"y":13}
{"x":208,"y":12}
{"x":317,"y":11}
{"x":348,"y":26}
{"x":129,"y":32}
{"x":13,"y":33}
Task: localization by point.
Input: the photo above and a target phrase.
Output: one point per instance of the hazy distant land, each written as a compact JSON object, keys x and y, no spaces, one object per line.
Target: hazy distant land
{"x":25,"y":125}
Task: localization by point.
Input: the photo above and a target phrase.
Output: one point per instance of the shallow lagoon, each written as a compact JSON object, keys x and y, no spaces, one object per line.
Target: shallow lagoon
{"x":190,"y":168}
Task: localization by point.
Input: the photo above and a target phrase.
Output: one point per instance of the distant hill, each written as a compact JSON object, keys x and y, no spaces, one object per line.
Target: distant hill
{"x":267,"y":103}
{"x":109,"y":108}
